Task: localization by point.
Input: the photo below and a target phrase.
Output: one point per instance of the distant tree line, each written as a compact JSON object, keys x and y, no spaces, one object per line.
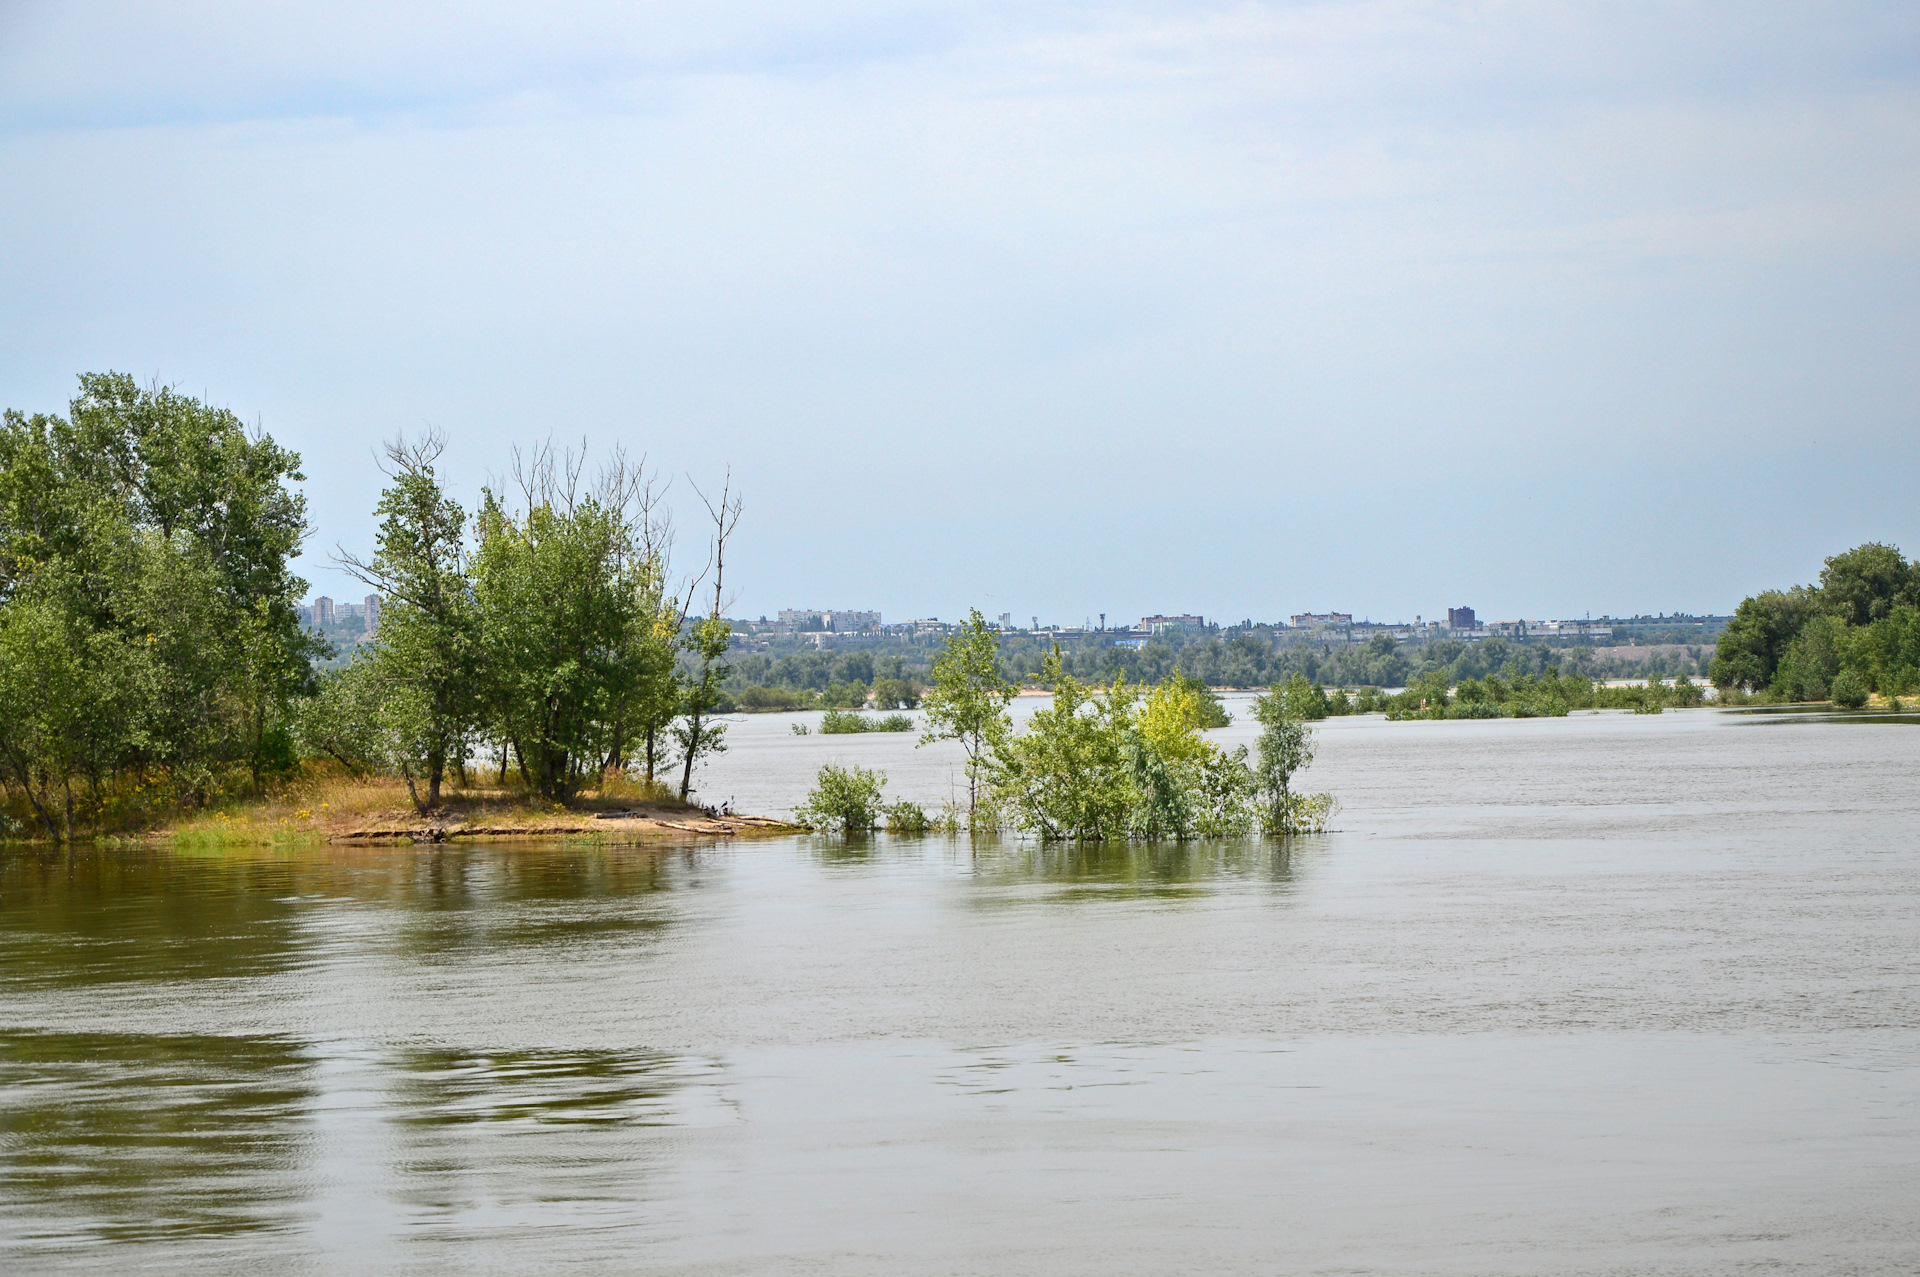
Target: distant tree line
{"x":152,"y":655}
{"x":1260,"y":658}
{"x":1855,"y":633}
{"x":809,"y":678}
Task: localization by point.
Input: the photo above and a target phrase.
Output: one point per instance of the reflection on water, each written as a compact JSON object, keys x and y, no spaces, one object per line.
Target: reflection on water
{"x":471,"y":901}
{"x":1776,"y":714}
{"x":195,"y":1141}
{"x":1006,"y":861}
{"x":533,"y":1089}
{"x":1586,"y":995}
{"x":130,"y":1137}
{"x":1159,"y":868}
{"x":136,"y":916}
{"x":492,"y":1143}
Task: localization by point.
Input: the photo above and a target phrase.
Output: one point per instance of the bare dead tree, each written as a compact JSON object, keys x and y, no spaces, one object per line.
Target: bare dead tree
{"x":698,"y":734}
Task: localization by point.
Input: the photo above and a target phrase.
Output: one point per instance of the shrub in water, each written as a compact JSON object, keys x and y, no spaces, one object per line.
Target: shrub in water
{"x":838,"y":722}
{"x":846,"y":799}
{"x":906,"y":817}
{"x":768,"y":698}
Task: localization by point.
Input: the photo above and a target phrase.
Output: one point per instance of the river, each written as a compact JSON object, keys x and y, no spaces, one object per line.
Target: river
{"x":1603,"y":994}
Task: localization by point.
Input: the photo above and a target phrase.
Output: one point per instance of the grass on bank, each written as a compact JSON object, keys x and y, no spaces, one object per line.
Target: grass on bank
{"x":321,"y":801}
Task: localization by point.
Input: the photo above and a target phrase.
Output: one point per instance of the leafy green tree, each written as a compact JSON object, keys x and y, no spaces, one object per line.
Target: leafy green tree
{"x":342,"y":720}
{"x":161,"y":530}
{"x":1866,"y":583}
{"x":907,"y":817}
{"x":895,"y":693}
{"x":1751,"y":647}
{"x":1864,"y":618}
{"x":1306,"y":701}
{"x":63,"y":700}
{"x":1284,"y":749}
{"x":968,"y":699}
{"x":647,"y":712}
{"x":1208,"y":711}
{"x":1813,"y":659}
{"x":555,"y":609}
{"x":429,"y":626}
{"x":1071,"y":773}
{"x":1889,"y":650}
{"x":1114,"y":763}
{"x":1223,"y":794}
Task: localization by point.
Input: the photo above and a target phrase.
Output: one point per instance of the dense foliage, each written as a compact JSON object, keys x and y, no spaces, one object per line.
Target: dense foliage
{"x":149,"y":634}
{"x":850,"y":800}
{"x":1115,"y":760}
{"x":152,"y":656}
{"x":1856,"y":632}
{"x":549,"y":644}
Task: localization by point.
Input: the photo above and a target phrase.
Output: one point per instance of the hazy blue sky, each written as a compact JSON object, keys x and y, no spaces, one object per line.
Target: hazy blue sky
{"x":1236,"y":308}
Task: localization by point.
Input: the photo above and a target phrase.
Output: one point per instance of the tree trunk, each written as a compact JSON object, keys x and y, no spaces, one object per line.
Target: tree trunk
{"x":67,"y":785}
{"x":693,"y":750}
{"x":259,"y":739}
{"x":406,"y":774}
{"x":617,"y":751}
{"x":436,"y":769}
{"x":39,"y":808}
{"x":653,"y":735}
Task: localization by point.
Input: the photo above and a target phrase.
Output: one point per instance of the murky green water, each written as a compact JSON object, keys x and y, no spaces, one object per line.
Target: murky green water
{"x":1596,"y":995}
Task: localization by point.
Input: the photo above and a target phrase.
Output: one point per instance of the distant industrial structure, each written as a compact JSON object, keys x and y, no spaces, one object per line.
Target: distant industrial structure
{"x":1459,"y":618}
{"x":1322,"y":620}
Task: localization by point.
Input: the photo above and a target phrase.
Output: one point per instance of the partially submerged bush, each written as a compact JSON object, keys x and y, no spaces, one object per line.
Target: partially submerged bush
{"x":844,"y":799}
{"x":906,"y":817}
{"x":839,"y":722}
{"x":1304,"y":701}
{"x":1112,"y":762}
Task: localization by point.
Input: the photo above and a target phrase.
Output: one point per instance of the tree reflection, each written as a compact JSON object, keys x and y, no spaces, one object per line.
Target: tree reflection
{"x":500,"y":1139}
{"x":132,"y":1137}
{"x":1159,"y":867}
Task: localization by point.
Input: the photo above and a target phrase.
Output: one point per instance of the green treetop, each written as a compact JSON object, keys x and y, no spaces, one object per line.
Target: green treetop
{"x":968,"y":699}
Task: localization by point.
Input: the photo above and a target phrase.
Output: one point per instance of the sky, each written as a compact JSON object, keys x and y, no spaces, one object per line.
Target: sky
{"x":1051,"y":309}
